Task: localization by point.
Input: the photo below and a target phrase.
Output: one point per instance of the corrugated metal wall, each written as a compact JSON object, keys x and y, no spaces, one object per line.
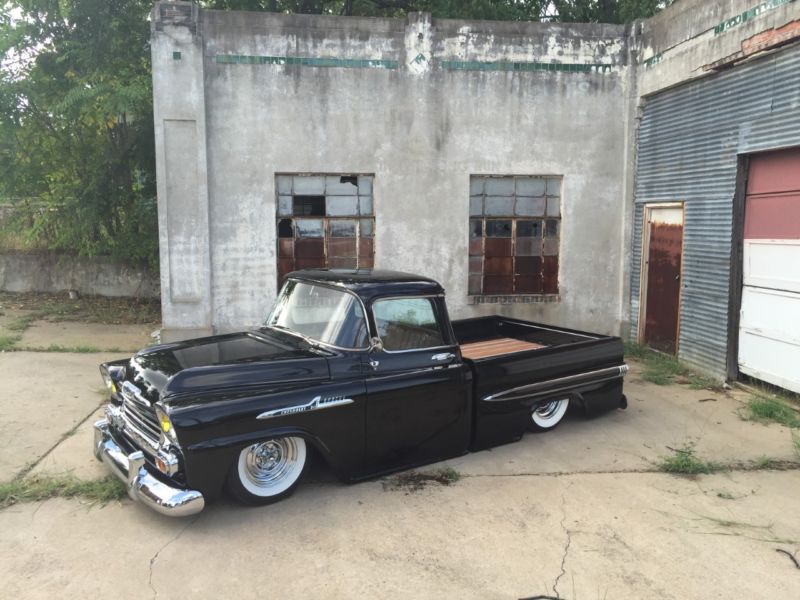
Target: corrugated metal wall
{"x":689,"y":139}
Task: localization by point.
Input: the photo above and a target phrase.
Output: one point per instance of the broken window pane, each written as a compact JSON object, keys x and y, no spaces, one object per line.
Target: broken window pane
{"x":342,"y":206}
{"x":308,"y":206}
{"x":309,"y":227}
{"x":498,"y":229}
{"x":285,"y":228}
{"x":341,"y":185}
{"x":529,"y":229}
{"x":341,"y":228}
{"x":551,"y":228}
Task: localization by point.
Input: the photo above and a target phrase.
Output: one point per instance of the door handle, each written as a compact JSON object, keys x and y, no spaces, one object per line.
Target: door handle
{"x":443,"y":356}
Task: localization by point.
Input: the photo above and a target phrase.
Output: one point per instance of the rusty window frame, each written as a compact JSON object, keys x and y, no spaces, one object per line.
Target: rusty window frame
{"x":543,"y":280}
{"x":363,"y":253}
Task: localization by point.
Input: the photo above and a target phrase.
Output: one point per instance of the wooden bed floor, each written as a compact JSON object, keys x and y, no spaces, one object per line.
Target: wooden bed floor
{"x":496,"y":347}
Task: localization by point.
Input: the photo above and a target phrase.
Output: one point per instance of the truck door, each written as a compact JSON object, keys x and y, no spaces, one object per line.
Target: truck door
{"x":417,"y":391}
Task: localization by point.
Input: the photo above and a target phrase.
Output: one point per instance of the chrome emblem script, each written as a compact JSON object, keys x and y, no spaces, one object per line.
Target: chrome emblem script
{"x":316,"y":404}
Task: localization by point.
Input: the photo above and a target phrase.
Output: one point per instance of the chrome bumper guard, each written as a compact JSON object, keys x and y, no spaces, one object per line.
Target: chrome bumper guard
{"x":142,"y":486}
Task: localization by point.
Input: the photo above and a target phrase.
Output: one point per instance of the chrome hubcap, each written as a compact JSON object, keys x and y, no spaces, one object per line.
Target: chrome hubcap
{"x":268,"y":463}
{"x":547,"y":410}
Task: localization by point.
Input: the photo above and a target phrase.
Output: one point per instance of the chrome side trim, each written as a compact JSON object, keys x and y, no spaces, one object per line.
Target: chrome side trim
{"x":142,"y":486}
{"x":316,"y":403}
{"x":559,"y":384}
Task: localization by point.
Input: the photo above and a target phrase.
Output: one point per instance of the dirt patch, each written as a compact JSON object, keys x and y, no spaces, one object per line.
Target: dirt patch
{"x":414,"y":481}
{"x":87,"y":309}
{"x":65,"y":336}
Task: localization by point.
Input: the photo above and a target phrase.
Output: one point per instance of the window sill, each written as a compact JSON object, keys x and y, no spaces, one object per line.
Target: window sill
{"x":514,"y":299}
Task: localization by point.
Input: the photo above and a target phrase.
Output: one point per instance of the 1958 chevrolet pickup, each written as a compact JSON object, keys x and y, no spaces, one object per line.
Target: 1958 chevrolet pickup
{"x":361,"y":368}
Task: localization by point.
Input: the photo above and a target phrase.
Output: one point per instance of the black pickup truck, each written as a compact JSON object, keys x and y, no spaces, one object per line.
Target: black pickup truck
{"x":363,"y":369}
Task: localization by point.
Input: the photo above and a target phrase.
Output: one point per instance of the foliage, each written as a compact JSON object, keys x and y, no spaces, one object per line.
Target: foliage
{"x":36,"y":488}
{"x":684,"y":461}
{"x":663,"y":369}
{"x":770,"y":410}
{"x":77,"y":127}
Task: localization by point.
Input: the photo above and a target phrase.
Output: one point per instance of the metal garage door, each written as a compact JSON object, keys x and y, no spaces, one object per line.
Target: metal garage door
{"x":769,"y":329}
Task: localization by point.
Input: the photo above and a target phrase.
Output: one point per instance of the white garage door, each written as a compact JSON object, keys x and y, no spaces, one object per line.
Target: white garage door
{"x":769,"y":329}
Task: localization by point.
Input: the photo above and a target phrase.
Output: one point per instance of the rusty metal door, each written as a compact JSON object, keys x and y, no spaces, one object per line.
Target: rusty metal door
{"x":769,"y":318}
{"x":663,"y":237}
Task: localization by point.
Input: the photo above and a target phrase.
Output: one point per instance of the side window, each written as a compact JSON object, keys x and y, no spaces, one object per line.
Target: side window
{"x":407,"y":324}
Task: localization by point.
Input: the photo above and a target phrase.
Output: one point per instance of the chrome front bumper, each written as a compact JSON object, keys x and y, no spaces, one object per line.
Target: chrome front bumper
{"x":142,"y":486}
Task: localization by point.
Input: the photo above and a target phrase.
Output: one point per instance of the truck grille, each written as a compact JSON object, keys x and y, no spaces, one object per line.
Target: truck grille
{"x":141,"y":423}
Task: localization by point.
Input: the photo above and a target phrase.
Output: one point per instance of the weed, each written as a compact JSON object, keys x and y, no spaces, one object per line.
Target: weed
{"x":8,"y":342}
{"x":19,"y":324}
{"x":769,"y":410}
{"x":73,"y":349}
{"x":684,"y":461}
{"x":33,"y":489}
{"x":725,"y":495}
{"x":796,"y":443}
{"x":765,"y":462}
{"x":413,"y":481}
{"x":663,"y":369}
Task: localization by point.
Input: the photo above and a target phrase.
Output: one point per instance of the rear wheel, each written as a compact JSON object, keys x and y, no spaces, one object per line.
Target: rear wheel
{"x":269,"y":471}
{"x":545,"y":417}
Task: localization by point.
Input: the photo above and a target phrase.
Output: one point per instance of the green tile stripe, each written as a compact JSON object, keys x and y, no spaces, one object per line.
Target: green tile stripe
{"x":347,"y":63}
{"x":458,"y":65}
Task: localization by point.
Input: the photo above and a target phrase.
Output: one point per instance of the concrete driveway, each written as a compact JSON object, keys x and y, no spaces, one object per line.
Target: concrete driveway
{"x":578,"y":513}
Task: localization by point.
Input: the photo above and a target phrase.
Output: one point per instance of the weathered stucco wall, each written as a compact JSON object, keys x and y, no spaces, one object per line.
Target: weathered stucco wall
{"x":435,"y":106}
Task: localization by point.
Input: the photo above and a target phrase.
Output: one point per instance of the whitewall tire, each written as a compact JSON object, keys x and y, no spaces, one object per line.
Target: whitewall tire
{"x":545,"y":417}
{"x":269,"y":471}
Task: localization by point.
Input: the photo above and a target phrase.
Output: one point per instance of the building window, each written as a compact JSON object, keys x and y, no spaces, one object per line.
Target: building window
{"x":514,"y":233}
{"x":324,"y":221}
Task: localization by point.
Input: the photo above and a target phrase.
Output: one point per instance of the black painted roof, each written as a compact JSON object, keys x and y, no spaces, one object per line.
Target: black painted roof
{"x":370,"y":283}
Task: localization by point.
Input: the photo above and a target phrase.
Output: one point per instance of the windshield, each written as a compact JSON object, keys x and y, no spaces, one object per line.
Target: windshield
{"x":329,"y":315}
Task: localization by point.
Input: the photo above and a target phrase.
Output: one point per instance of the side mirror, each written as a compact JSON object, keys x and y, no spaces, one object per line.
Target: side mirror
{"x":375,"y":345}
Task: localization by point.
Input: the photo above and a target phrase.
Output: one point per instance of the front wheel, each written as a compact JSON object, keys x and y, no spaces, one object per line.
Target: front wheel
{"x":269,"y":471}
{"x":545,"y":417}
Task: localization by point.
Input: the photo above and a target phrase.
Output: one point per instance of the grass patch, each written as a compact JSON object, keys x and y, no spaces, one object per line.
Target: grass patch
{"x":87,"y":309}
{"x":74,"y":349}
{"x":684,"y":461}
{"x":413,"y":481}
{"x":34,"y":489}
{"x":8,"y":342}
{"x":769,"y":410}
{"x":20,"y":324}
{"x":663,"y":369}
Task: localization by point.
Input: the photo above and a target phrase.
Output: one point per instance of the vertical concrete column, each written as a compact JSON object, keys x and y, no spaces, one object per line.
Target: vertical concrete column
{"x":181,"y":169}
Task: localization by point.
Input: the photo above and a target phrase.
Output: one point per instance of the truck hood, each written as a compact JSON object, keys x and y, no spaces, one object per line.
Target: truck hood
{"x":246,"y":360}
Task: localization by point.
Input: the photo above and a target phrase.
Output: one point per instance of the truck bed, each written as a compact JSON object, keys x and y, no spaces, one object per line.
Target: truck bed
{"x":517,"y":364}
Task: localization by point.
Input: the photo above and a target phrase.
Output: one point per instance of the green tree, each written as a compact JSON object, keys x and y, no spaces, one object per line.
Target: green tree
{"x":77,"y":127}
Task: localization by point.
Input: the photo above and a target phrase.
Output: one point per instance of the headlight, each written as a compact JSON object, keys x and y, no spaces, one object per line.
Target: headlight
{"x":112,"y":377}
{"x":167,"y":430}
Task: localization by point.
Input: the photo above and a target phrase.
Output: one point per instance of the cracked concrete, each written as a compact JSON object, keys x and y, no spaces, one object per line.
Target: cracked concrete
{"x":573,"y":514}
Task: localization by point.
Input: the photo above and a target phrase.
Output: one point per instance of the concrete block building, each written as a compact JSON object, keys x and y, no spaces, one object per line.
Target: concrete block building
{"x":537,"y":170}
